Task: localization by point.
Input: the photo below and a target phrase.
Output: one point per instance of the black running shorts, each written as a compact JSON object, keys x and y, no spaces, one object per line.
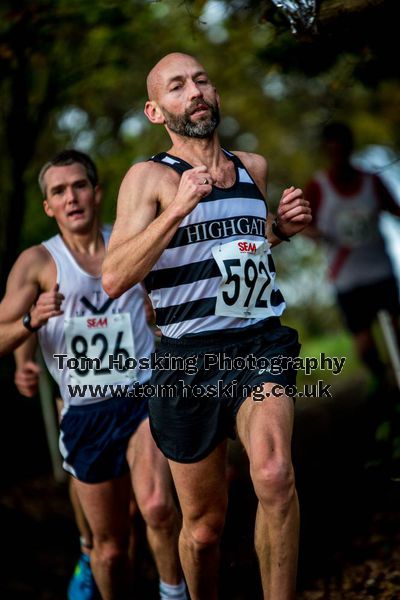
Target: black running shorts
{"x":202,"y":380}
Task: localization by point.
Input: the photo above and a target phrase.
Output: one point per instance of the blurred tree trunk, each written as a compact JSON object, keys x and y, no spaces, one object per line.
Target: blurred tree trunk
{"x":18,"y":146}
{"x":22,"y":129}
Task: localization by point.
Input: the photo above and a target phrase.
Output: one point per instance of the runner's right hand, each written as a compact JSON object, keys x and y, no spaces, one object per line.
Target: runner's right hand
{"x":26,"y":378}
{"x":47,"y":305}
{"x":192,"y":188}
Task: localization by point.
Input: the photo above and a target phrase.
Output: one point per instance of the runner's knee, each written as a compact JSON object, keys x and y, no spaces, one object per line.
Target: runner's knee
{"x":274,"y":482}
{"x":110,"y":552}
{"x":158,"y":510}
{"x":204,"y":533}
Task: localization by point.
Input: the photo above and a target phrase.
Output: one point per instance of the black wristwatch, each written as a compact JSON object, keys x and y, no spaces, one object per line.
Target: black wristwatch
{"x":278,"y":233}
{"x":26,"y":320}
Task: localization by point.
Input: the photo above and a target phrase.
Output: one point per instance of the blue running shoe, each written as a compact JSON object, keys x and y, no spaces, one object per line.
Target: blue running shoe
{"x":82,"y":585}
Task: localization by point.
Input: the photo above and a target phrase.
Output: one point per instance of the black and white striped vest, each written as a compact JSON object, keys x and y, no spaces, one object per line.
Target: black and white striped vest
{"x":185,"y":282}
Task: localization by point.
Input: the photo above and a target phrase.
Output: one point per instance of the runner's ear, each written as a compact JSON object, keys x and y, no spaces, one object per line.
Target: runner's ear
{"x":49,"y":211}
{"x":98,"y":194}
{"x":153,"y":113}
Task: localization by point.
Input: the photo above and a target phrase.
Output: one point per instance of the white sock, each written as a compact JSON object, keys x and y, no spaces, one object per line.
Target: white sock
{"x":173,"y":592}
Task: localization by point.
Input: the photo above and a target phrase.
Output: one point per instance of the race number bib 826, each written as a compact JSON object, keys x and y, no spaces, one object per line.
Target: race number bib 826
{"x":107,"y":341}
{"x":247,"y":281}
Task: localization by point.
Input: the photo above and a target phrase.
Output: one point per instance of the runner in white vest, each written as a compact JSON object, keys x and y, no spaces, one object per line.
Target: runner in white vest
{"x":346,"y":204}
{"x":55,"y":289}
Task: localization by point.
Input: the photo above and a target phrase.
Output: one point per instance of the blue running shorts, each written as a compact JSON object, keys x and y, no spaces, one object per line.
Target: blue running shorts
{"x":94,"y":438}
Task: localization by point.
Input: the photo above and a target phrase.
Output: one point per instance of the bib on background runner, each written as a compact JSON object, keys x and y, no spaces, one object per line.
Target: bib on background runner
{"x":106,"y":338}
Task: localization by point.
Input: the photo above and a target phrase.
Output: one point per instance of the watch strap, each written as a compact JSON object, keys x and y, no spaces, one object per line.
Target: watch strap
{"x":26,"y":321}
{"x":278,"y":233}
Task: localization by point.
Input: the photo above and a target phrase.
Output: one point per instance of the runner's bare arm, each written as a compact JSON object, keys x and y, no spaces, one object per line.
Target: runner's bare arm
{"x":140,"y":234}
{"x":26,"y":377}
{"x":23,"y":295}
{"x":294,"y":213}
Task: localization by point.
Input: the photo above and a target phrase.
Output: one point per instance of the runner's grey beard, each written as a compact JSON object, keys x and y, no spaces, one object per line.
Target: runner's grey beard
{"x":182,"y":125}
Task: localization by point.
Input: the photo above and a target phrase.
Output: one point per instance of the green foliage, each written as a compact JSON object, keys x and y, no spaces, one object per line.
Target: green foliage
{"x":333,"y":343}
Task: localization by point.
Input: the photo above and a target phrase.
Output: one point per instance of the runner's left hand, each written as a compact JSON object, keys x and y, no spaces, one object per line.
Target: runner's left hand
{"x":294,"y":212}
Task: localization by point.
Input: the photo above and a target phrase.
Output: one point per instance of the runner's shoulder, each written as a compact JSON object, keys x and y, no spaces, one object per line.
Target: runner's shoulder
{"x":30,"y":266}
{"x":145,"y":178}
{"x":257,"y":166}
{"x":255,"y":163}
{"x":34,"y":258}
{"x":149,"y":170}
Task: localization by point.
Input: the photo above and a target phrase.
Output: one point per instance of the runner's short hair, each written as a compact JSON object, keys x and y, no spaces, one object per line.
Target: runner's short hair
{"x":69,"y":157}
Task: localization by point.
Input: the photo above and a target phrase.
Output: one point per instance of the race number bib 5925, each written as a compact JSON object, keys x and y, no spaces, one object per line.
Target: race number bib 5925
{"x":247,"y":281}
{"x":107,"y":341}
